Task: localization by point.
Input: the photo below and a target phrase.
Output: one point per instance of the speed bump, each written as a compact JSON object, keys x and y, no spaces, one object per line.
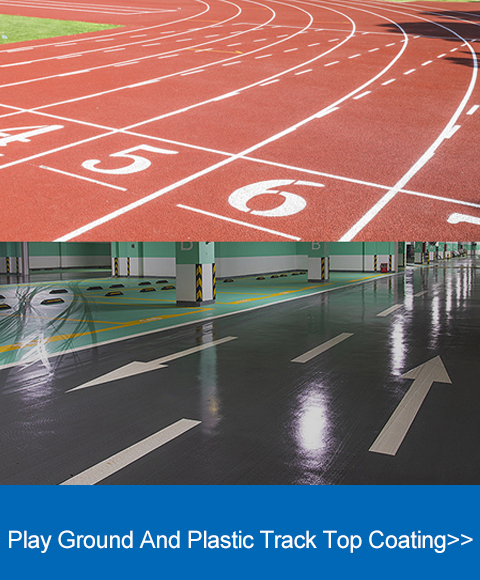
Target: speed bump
{"x":59,"y":291}
{"x":49,"y":301}
{"x":114,"y":293}
{"x":169,"y":287}
{"x":261,"y":278}
{"x":283,"y":275}
{"x":274,"y":276}
{"x":228,"y":280}
{"x":144,"y":283}
{"x":150,"y":289}
{"x":161,"y":281}
{"x":4,"y":306}
{"x":95,"y":288}
{"x":117,"y":286}
{"x":2,"y":297}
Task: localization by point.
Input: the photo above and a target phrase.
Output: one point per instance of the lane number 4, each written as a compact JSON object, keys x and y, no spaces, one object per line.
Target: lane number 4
{"x":138,"y":163}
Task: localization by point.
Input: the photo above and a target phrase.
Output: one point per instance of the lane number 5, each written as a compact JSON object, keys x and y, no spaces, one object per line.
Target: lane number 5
{"x":138,"y":163}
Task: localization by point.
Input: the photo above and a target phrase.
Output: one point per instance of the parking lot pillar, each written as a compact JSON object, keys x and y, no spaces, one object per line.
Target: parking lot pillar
{"x":195,"y":272}
{"x":318,"y":262}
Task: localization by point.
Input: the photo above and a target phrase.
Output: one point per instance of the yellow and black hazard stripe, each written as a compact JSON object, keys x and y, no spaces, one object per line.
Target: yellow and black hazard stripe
{"x":198,"y":278}
{"x":128,"y":266}
{"x":390,"y":263}
{"x":18,"y":265}
{"x":375,"y":263}
{"x":8,"y":264}
{"x":323,"y":268}
{"x":214,"y":282}
{"x":115,"y":266}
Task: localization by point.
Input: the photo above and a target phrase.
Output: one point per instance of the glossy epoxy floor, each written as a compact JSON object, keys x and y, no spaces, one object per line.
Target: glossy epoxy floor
{"x":256,"y":417}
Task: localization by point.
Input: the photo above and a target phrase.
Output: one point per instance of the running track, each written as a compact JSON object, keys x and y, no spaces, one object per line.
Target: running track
{"x":243,"y":120}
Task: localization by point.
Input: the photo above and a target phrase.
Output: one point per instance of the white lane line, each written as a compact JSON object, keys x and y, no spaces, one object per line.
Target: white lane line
{"x":234,"y":44}
{"x":391,"y":44}
{"x":314,"y":44}
{"x":355,"y":56}
{"x":302,"y":72}
{"x":442,"y":55}
{"x":211,"y":36}
{"x":420,"y":293}
{"x":396,"y":428}
{"x":99,"y":40}
{"x":183,"y":39}
{"x":454,"y":50}
{"x":388,"y":82}
{"x":113,"y":50}
{"x":290,"y":50}
{"x":193,"y":72}
{"x":473,"y":109}
{"x":230,"y":63}
{"x":233,"y":221}
{"x":452,"y":131}
{"x":263,"y":56}
{"x":409,"y":72}
{"x":260,"y":40}
{"x":282,"y":35}
{"x":167,"y":56}
{"x":360,"y":96}
{"x":332,"y":63}
{"x":152,"y":44}
{"x":137,"y":35}
{"x":139,"y":367}
{"x":83,"y":178}
{"x":123,"y":458}
{"x":270,"y":82}
{"x":68,"y":56}
{"x":373,"y":50}
{"x":75,"y":72}
{"x":334,"y":40}
{"x":427,"y":62}
{"x":125,"y":63}
{"x":15,"y":64}
{"x":326,"y":112}
{"x":390,"y":310}
{"x":322,"y":348}
{"x":142,"y":84}
{"x":227,"y":96}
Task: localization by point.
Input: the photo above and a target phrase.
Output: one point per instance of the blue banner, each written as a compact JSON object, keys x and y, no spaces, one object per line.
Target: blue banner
{"x":240,"y":532}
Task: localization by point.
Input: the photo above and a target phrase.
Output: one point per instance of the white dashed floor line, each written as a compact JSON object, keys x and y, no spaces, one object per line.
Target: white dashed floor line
{"x":354,"y":56}
{"x":373,"y":49}
{"x":290,"y":49}
{"x":427,"y":62}
{"x":270,"y":82}
{"x":263,"y":56}
{"x":361,"y":95}
{"x":409,"y":72}
{"x":388,"y":82}
{"x":302,"y":72}
{"x":473,"y":109}
{"x":332,"y":63}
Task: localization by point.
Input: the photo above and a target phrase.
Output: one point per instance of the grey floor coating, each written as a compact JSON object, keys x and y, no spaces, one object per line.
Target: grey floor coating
{"x":265,"y":419}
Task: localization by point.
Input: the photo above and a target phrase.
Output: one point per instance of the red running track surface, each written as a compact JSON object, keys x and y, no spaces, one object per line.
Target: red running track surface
{"x":243,"y":120}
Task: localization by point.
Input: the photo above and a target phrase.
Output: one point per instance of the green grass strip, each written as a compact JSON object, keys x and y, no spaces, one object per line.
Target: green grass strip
{"x":21,"y":28}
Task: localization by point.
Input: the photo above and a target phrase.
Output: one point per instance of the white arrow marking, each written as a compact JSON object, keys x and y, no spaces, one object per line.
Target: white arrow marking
{"x":322,"y":348}
{"x":392,"y":435}
{"x":123,"y":458}
{"x":138,"y":367}
{"x":456,"y":218}
{"x":467,"y":541}
{"x":454,"y":540}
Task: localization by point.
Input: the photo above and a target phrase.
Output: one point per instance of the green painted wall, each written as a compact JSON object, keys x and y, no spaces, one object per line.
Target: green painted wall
{"x":39,"y":249}
{"x":254,"y":249}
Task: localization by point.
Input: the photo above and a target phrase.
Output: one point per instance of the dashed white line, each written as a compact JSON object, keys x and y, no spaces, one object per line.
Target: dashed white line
{"x":334,"y":40}
{"x":454,"y":49}
{"x":260,"y":40}
{"x":82,"y":178}
{"x":262,"y":56}
{"x":326,"y":112}
{"x":125,"y":63}
{"x":391,"y":44}
{"x":373,"y":50}
{"x":441,"y":55}
{"x":193,"y":72}
{"x":427,"y":62}
{"x":409,"y":72}
{"x":314,"y":44}
{"x":361,"y":95}
{"x":235,"y":44}
{"x":388,"y":82}
{"x":212,"y":35}
{"x":68,"y":56}
{"x":231,"y":220}
{"x":473,"y":109}
{"x":302,"y":72}
{"x":355,"y":56}
{"x":390,"y":310}
{"x":332,"y":63}
{"x":290,"y":49}
{"x":152,"y":44}
{"x":270,"y":82}
{"x":230,"y":63}
{"x":452,"y":132}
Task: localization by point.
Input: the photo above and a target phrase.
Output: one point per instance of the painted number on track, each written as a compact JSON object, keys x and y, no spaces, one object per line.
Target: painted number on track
{"x":291,"y":203}
{"x":138,"y":163}
{"x":23,"y":134}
